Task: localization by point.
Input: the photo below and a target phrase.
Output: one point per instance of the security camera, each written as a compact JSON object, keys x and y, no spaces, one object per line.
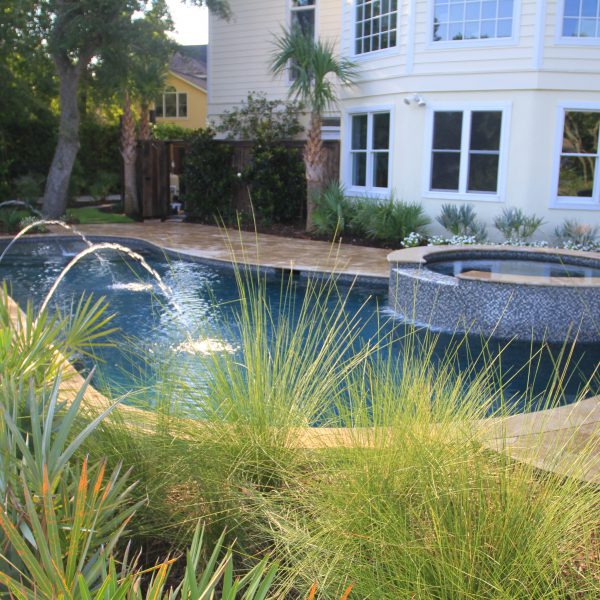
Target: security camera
{"x":406,"y":100}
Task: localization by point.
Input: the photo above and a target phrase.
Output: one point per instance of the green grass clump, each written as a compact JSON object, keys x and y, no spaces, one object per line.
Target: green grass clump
{"x":92,"y":215}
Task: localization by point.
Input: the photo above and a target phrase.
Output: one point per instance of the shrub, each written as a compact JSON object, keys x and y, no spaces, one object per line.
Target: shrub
{"x":277,"y":182}
{"x":103,"y":184}
{"x":29,"y":187}
{"x":208,"y":178}
{"x":462,"y":221}
{"x":259,"y":119}
{"x":330,"y":210}
{"x":389,"y":220}
{"x":168,"y":131}
{"x":514,"y":224}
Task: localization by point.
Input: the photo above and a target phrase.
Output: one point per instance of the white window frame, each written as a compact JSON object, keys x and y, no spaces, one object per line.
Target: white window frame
{"x":482,"y":42}
{"x":177,"y":116}
{"x":570,"y":40}
{"x":371,"y":191}
{"x":374,"y":54}
{"x":573,"y":202}
{"x":462,"y":193}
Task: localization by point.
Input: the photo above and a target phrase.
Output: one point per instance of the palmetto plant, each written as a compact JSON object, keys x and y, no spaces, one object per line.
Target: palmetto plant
{"x":315,"y":69}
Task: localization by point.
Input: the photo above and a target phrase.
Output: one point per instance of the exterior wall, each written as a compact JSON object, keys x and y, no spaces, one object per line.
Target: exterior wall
{"x":240,"y":50}
{"x":531,"y":74}
{"x":197,"y":104}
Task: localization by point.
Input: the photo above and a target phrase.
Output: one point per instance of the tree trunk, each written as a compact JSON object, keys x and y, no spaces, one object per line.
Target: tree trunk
{"x":129,"y":154}
{"x":314,"y":161}
{"x":57,"y":183}
{"x":144,"y":122}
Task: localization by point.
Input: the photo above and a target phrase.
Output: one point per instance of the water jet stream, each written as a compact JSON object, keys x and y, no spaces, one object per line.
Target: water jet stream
{"x":36,"y":224}
{"x":94,"y":248}
{"x":21,"y":203}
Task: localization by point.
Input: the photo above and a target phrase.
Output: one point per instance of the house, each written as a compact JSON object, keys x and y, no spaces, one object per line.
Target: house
{"x":491,"y":102}
{"x":184,"y":101}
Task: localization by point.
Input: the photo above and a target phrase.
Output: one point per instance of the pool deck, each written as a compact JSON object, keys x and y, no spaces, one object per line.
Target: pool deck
{"x":563,"y":440}
{"x":214,"y":243}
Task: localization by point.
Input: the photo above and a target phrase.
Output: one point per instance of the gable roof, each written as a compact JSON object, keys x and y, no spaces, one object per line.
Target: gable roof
{"x":189,"y":63}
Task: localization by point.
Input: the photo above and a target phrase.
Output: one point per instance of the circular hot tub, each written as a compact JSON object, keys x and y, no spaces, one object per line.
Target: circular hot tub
{"x":507,"y":292}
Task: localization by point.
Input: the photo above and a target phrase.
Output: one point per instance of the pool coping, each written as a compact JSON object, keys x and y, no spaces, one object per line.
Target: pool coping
{"x":551,"y":440}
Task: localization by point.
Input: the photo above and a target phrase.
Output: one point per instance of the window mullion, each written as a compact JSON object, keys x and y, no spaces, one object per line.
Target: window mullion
{"x":464,"y":152}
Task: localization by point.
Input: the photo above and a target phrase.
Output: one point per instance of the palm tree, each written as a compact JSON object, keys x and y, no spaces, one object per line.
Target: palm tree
{"x":314,"y":70}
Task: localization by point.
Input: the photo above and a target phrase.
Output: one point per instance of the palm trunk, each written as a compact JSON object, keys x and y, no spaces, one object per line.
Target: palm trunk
{"x":144,"y":122}
{"x":129,"y":154}
{"x":314,"y":161}
{"x":57,"y":183}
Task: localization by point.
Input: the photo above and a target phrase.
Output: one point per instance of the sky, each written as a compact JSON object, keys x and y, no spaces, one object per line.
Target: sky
{"x":191,"y":23}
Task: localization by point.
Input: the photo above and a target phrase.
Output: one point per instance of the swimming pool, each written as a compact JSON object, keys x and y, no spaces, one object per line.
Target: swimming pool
{"x":207,"y":296}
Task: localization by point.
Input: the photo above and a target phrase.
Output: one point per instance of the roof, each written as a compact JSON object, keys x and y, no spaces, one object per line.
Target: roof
{"x":189,"y":63}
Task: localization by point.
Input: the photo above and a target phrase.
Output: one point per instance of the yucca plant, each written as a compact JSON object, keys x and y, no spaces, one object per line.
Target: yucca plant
{"x":514,"y":224}
{"x":462,"y":221}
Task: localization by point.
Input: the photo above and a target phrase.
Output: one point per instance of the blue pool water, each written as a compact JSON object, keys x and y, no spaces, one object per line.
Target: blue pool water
{"x":208,"y":299}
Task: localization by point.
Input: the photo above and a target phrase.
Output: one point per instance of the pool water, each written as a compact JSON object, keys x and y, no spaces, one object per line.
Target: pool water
{"x":208,"y":301}
{"x":537,"y":268}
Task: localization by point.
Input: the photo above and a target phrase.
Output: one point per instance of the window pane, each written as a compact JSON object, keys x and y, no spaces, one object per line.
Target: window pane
{"x":576,"y":176}
{"x":376,"y":24}
{"x":472,"y":19}
{"x":305,"y":20}
{"x":447,"y":130}
{"x":380,"y":169}
{"x":183,"y":105}
{"x":302,"y":3}
{"x":159,"y":107}
{"x":359,"y":132}
{"x":485,"y":130}
{"x":483,"y":173}
{"x":580,"y":135}
{"x":572,"y":8}
{"x":381,"y":131}
{"x":445,"y":167}
{"x":170,"y":105}
{"x":359,"y":168}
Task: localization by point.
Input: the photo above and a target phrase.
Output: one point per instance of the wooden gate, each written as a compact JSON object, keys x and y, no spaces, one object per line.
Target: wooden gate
{"x":153,"y":179}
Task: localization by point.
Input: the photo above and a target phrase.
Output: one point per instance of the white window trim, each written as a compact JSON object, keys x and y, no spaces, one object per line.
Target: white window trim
{"x":176,"y":92}
{"x":480,"y":43}
{"x":572,"y":202}
{"x":500,"y":195}
{"x":370,"y":191}
{"x":563,"y":40}
{"x":375,"y":54}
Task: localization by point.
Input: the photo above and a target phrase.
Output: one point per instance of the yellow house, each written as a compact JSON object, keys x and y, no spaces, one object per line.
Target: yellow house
{"x":184,"y":101}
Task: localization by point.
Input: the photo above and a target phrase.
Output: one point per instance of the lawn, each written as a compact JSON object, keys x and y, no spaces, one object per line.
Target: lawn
{"x":93,"y":215}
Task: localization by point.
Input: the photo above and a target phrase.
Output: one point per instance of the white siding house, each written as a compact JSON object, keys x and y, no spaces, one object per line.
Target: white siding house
{"x":491,"y":102}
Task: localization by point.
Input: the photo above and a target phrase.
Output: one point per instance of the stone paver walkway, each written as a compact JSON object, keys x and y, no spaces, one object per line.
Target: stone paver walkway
{"x":214,"y":243}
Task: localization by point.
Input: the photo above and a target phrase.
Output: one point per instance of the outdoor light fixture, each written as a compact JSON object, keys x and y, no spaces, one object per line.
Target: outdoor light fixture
{"x":414,"y":99}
